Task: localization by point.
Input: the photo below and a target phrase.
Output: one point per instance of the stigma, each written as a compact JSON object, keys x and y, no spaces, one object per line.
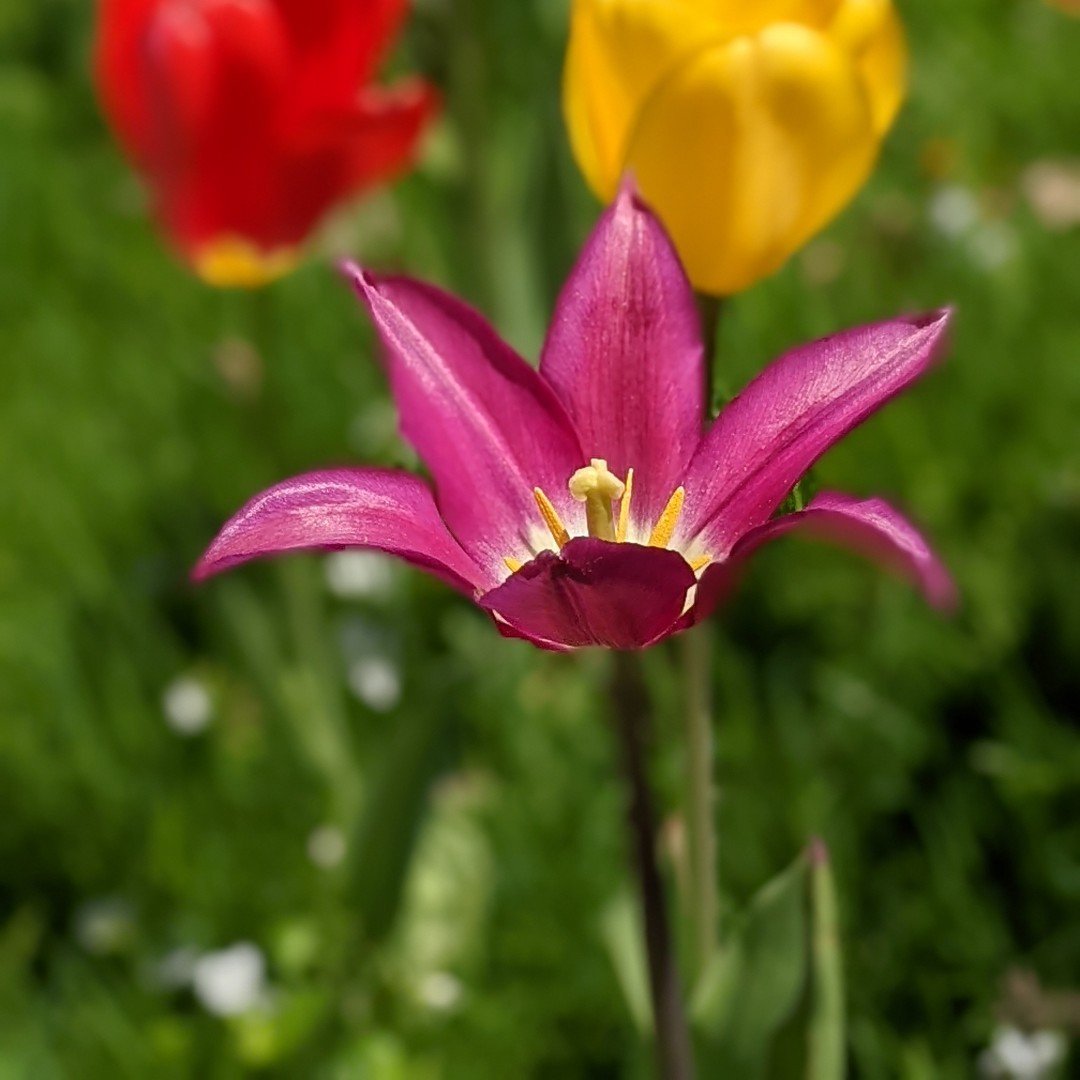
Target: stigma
{"x":596,"y":486}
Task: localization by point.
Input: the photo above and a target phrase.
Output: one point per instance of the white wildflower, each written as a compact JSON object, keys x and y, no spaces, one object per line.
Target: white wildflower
{"x":231,"y":981}
{"x":376,"y":681}
{"x":1017,"y":1055}
{"x":187,"y":705}
{"x":327,"y":846}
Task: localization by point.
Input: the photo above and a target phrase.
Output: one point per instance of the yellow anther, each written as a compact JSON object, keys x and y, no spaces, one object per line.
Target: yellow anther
{"x":665,"y":527}
{"x":624,"y":508}
{"x":512,"y":565}
{"x":551,"y":518}
{"x":699,"y":563}
{"x":596,"y":485}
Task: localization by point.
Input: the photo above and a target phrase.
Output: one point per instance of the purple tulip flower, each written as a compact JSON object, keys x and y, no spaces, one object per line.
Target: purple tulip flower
{"x":585,"y":504}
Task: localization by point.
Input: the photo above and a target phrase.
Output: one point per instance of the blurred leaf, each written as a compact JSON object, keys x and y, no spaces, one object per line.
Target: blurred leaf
{"x":620,"y":928}
{"x":391,"y":820}
{"x":753,"y":984}
{"x":264,"y":1037}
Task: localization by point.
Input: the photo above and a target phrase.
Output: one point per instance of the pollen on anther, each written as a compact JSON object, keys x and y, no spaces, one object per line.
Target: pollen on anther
{"x":513,"y":565}
{"x":699,"y":563}
{"x":551,"y":518}
{"x":624,"y":508}
{"x":665,"y":527}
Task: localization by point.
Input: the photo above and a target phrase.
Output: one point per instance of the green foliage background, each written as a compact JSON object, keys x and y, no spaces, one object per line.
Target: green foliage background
{"x":939,"y":759}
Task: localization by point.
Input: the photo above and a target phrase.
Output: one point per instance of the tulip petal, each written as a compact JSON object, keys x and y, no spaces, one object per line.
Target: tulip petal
{"x":336,"y":46}
{"x":118,"y":64}
{"x":752,"y":147}
{"x":797,"y":408}
{"x":344,"y":154}
{"x":871,"y":32}
{"x":871,"y":527}
{"x":616,"y":57}
{"x":616,"y":596}
{"x":374,"y":508}
{"x":485,"y":423}
{"x":624,"y":354}
{"x":216,"y":73}
{"x":385,"y":128}
{"x":740,"y":17}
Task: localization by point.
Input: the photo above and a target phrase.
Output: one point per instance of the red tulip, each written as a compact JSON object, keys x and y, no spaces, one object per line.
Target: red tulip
{"x":252,"y":118}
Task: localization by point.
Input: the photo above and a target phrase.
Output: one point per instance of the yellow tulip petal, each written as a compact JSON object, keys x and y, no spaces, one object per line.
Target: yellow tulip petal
{"x":750,"y":16}
{"x":618,"y":52}
{"x":750,"y":148}
{"x":871,"y":33}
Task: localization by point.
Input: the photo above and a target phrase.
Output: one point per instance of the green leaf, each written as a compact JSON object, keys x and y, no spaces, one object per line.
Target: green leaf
{"x":757,"y":978}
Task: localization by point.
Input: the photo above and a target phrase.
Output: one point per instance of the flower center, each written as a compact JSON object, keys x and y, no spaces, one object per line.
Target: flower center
{"x":596,"y":486}
{"x":599,"y":488}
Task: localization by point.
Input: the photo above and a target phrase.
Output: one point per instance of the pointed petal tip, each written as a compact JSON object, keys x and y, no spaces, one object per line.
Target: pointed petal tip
{"x":349,"y":269}
{"x":628,"y":188}
{"x":938,"y":319}
{"x":359,"y":277}
{"x":630,"y":197}
{"x":937,"y":325}
{"x":941,"y":591}
{"x":211,"y":563}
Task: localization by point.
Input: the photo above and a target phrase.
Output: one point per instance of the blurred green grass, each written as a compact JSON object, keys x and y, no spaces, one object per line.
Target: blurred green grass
{"x":460,"y":936}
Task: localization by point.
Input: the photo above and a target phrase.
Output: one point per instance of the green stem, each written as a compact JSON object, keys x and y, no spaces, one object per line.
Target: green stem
{"x":700,"y":794}
{"x":704,"y":905}
{"x":709,"y":309}
{"x":674,"y":1055}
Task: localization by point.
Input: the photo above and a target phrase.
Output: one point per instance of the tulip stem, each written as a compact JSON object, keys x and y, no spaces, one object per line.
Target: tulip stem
{"x":674,"y":1055}
{"x":709,"y":308}
{"x":704,"y":897}
{"x":698,"y":749}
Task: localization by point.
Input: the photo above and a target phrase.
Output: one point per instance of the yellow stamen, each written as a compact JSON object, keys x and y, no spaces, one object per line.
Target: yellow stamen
{"x":512,"y":565}
{"x":665,"y":527}
{"x":551,"y":518}
{"x":624,"y":508}
{"x":699,"y":563}
{"x":596,"y":486}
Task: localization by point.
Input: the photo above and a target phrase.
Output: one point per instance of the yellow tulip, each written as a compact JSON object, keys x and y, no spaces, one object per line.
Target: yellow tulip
{"x":748,"y":124}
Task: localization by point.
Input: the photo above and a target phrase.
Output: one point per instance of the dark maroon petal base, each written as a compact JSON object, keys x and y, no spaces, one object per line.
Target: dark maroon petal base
{"x":616,"y":596}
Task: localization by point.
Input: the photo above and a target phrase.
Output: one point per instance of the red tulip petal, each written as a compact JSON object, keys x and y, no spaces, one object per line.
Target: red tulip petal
{"x":343,"y":155}
{"x":118,"y":70}
{"x":337,"y":46}
{"x":216,"y":74}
